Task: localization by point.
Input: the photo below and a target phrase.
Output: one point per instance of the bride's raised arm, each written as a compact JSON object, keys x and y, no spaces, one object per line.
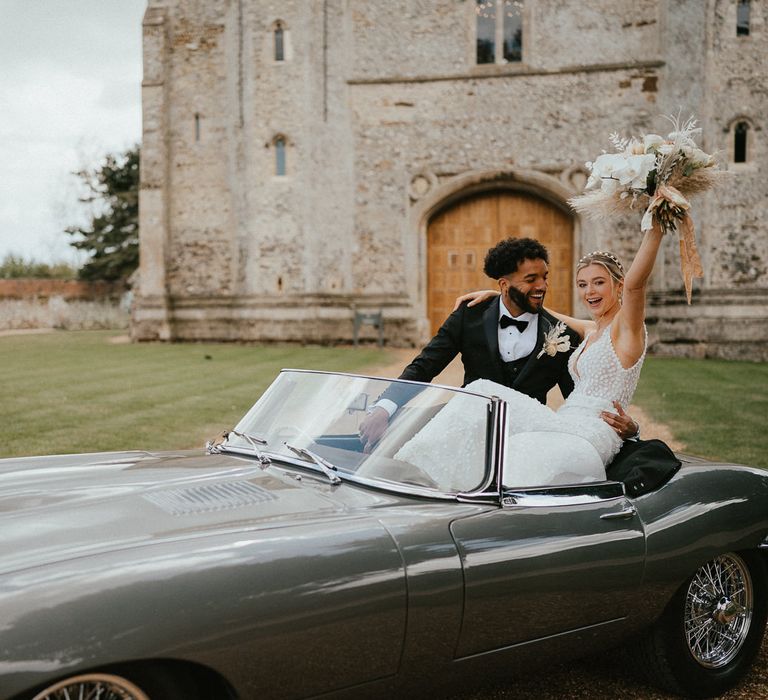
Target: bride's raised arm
{"x":632,"y":314}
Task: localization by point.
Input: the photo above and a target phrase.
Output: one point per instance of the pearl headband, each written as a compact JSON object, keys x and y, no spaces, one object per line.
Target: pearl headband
{"x":603,"y":254}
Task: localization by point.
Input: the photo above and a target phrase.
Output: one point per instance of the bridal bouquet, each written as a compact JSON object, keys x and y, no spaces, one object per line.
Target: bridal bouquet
{"x":658,"y":174}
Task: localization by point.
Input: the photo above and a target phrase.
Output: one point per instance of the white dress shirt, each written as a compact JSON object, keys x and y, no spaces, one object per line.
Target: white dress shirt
{"x":514,"y":344}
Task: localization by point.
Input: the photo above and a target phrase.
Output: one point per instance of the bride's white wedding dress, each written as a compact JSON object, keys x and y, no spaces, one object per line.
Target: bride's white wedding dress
{"x":570,"y":445}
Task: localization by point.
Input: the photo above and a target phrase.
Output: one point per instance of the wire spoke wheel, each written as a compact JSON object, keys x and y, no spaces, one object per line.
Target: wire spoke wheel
{"x":93,"y":686}
{"x":718,"y":610}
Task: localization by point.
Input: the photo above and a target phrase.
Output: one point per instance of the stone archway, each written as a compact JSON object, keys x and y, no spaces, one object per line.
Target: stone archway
{"x":459,"y":236}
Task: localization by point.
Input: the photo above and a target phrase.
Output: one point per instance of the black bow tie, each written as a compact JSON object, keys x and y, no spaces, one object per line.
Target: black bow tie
{"x":506,"y":321}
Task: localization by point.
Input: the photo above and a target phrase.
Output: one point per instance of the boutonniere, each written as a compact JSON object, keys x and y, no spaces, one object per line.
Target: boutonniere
{"x":555,"y":340}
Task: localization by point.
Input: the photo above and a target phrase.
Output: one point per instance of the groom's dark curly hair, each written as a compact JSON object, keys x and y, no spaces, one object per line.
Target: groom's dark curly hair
{"x":505,"y":257}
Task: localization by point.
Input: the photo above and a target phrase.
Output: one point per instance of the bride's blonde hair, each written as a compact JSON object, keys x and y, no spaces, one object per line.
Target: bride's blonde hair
{"x":608,"y":260}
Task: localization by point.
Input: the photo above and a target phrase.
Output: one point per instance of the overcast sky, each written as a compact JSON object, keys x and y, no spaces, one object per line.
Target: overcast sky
{"x":70,"y":92}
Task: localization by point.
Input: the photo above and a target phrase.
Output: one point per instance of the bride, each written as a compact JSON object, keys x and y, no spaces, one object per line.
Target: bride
{"x":574,"y":444}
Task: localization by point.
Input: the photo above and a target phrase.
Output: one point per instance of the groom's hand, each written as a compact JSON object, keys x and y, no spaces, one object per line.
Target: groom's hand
{"x":373,"y":427}
{"x":623,"y":424}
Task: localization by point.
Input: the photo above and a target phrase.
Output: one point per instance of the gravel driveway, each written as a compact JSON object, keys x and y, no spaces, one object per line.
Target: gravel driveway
{"x":611,"y":675}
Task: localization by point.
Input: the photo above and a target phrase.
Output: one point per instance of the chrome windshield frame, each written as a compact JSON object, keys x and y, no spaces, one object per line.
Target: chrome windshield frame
{"x":488,"y":491}
{"x":457,"y":389}
{"x":491,"y":489}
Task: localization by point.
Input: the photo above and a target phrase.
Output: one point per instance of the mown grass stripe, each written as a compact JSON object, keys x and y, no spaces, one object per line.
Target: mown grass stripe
{"x":716,"y":407}
{"x":78,"y":391}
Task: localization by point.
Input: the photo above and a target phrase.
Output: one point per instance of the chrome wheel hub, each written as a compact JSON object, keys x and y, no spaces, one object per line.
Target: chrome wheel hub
{"x":726,"y":611}
{"x":718,"y":610}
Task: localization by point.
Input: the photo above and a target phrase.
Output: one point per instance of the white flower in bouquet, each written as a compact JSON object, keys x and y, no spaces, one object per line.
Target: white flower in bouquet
{"x":698,"y":158}
{"x":603,"y":169}
{"x":613,"y":170}
{"x":635,"y":172}
{"x":651,"y":141}
{"x":683,"y":138}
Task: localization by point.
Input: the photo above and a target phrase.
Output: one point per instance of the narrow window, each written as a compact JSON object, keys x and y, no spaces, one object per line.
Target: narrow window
{"x":513,"y":31}
{"x":486,"y":31}
{"x":280,"y":156}
{"x":197,"y":127}
{"x":742,"y":18}
{"x":499,"y":31}
{"x":279,"y":43}
{"x":740,"y":133}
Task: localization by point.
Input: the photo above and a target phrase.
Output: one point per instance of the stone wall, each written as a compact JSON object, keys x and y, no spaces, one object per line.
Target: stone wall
{"x":387,"y":118}
{"x":66,"y":304}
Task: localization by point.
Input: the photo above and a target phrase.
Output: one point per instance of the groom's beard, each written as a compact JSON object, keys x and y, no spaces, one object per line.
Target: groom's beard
{"x":522,"y":301}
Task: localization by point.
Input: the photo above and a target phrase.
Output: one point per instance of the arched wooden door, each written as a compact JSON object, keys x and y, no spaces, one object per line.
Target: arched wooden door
{"x":459,"y":237}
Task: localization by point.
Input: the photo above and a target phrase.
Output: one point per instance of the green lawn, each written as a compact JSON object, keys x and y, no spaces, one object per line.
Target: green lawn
{"x":79,"y":392}
{"x":718,"y":408}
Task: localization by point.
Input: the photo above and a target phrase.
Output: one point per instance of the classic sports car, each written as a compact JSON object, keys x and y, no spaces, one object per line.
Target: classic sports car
{"x":290,"y":562}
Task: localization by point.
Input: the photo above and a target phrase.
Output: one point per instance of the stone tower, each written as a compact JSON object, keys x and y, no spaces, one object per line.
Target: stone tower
{"x":304,"y":159}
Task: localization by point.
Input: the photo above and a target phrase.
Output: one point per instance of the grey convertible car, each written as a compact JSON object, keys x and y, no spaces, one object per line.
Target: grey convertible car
{"x":288,"y":562}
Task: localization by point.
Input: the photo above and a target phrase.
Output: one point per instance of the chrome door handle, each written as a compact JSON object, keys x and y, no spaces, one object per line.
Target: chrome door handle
{"x":619,"y":515}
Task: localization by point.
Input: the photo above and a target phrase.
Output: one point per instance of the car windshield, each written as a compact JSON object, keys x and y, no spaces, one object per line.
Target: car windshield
{"x":321,"y":413}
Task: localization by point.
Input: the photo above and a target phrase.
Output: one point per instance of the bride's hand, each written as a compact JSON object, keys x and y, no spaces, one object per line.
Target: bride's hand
{"x":474,"y":298}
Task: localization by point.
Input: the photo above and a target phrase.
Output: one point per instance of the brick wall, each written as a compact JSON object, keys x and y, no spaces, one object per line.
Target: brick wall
{"x":42,"y":289}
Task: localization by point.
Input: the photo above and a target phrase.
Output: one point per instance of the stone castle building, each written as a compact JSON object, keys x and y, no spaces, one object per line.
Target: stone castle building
{"x":306,"y":159}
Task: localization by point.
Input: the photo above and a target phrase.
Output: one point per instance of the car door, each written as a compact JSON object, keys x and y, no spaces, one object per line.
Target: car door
{"x":549,"y":561}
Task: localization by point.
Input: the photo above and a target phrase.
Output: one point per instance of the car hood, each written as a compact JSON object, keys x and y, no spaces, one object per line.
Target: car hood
{"x":58,"y":508}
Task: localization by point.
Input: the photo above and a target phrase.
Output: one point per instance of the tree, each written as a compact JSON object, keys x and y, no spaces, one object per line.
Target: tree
{"x":111,"y":239}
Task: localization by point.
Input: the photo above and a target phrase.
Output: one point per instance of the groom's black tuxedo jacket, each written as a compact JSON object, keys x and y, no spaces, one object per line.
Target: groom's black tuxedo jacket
{"x":473,"y":332}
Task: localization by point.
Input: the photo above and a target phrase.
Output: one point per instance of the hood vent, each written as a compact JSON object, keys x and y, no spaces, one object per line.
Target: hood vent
{"x":210,"y":498}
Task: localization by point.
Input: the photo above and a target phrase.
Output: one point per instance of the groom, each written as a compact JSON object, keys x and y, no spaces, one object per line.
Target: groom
{"x":501,"y":339}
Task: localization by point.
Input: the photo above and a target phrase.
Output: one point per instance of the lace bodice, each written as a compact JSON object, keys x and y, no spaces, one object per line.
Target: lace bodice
{"x":596,"y":371}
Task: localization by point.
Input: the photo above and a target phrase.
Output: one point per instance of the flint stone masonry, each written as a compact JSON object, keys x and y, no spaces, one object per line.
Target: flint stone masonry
{"x":387,"y":119}
{"x":31,"y":303}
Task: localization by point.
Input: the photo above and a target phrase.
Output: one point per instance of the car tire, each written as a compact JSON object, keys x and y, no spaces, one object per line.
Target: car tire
{"x":712,"y":630}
